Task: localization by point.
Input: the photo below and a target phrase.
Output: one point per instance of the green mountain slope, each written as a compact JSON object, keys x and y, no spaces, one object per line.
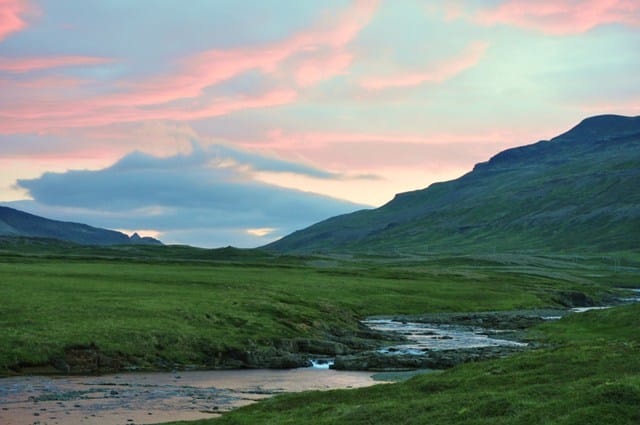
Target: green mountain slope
{"x":15,"y":223}
{"x":580,"y":190}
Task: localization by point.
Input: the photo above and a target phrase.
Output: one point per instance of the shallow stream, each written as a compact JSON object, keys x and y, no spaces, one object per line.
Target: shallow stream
{"x":423,"y":337}
{"x":144,"y":398}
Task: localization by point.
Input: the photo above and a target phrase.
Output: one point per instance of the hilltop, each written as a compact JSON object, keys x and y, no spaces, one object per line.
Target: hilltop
{"x":16,"y":223}
{"x":577,"y":191}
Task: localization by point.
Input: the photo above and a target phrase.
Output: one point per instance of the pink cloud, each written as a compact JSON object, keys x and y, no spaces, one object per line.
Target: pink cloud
{"x":367,"y":156}
{"x":437,"y":73}
{"x":215,"y":66}
{"x":281,"y":140}
{"x":50,"y":114}
{"x":181,"y":95}
{"x":54,"y":82}
{"x":18,"y":65}
{"x":226,"y":106}
{"x":321,"y":67}
{"x":48,"y":88}
{"x":350,"y":24}
{"x":562,"y":17}
{"x":198,"y":72}
{"x":102,"y":144}
{"x":10,"y":20}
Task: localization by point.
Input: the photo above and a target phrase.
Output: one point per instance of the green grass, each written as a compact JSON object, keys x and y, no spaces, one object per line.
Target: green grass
{"x":184,"y":306}
{"x":590,"y":375}
{"x":547,"y":197}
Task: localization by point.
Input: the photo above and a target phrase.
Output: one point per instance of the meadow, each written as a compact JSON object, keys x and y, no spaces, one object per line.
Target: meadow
{"x":588,"y":374}
{"x":166,"y":307}
{"x":157,"y":308}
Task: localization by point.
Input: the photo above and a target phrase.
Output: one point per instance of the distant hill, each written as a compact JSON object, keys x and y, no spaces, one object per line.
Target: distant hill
{"x":580,"y":190}
{"x":15,"y":223}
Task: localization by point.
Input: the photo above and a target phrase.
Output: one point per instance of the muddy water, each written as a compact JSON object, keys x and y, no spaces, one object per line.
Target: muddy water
{"x":144,"y":398}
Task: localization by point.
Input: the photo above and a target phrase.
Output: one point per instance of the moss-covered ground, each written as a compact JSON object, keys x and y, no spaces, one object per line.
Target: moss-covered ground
{"x":588,"y":374}
{"x":180,"y":305}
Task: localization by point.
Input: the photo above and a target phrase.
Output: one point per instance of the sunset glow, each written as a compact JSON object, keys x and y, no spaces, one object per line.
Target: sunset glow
{"x":239,"y":122}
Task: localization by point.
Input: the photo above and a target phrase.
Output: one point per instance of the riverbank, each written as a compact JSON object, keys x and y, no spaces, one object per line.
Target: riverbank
{"x":190,"y":395}
{"x":367,"y":346}
{"x":433,"y":341}
{"x":587,"y":371}
{"x":74,"y":315}
{"x":445,"y":340}
{"x":144,"y":398}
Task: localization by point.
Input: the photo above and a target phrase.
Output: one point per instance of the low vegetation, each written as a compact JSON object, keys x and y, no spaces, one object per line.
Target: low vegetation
{"x":155,"y":307}
{"x":576,"y":191}
{"x":158,"y":307}
{"x":588,"y":374}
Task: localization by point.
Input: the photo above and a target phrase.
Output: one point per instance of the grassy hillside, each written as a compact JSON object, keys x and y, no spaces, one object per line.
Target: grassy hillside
{"x":152,"y":309}
{"x":15,"y":223}
{"x":575,"y":192}
{"x":590,"y":374}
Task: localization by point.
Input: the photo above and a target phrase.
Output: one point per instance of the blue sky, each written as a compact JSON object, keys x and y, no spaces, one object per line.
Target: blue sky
{"x":220,"y":123}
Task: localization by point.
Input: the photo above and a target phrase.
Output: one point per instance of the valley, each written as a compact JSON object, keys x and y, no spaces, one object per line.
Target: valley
{"x":499,"y":280}
{"x":103,"y":310}
{"x":345,"y":212}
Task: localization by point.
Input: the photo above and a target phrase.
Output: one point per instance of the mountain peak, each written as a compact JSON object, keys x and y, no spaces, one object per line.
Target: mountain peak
{"x":145,"y":240}
{"x":591,"y":130}
{"x":603,"y":127}
{"x":576,"y":191}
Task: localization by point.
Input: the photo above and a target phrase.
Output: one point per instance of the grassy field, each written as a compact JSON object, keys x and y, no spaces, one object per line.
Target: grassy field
{"x":174,"y":305}
{"x":589,"y":374}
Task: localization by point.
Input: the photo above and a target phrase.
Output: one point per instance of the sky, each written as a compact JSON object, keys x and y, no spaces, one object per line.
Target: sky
{"x":216,"y":123}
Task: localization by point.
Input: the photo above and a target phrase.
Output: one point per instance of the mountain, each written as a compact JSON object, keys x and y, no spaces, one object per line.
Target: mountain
{"x":15,"y":223}
{"x":578,"y":191}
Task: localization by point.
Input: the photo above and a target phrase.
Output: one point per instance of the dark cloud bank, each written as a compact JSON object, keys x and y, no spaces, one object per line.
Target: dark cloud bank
{"x":206,"y":198}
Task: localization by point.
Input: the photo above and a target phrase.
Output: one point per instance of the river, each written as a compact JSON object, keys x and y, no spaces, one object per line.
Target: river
{"x":144,"y":398}
{"x":154,"y":397}
{"x":423,"y":337}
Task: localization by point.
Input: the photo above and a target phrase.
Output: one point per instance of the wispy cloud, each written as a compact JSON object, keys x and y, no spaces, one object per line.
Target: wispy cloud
{"x":321,"y":96}
{"x":38,"y":63}
{"x":51,"y":114}
{"x":259,"y":162}
{"x":222,"y":158}
{"x":11,"y":20}
{"x":182,"y":95}
{"x":321,"y":66}
{"x":45,"y":83}
{"x":279,"y":138}
{"x":215,"y":66}
{"x":435,"y":73}
{"x":562,"y":17}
